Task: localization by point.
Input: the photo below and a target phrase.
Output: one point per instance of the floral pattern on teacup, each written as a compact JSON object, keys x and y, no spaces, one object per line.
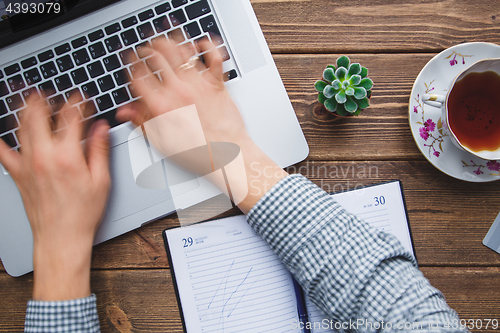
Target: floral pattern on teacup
{"x":428,"y":126}
{"x":490,"y":165}
{"x":454,"y":61}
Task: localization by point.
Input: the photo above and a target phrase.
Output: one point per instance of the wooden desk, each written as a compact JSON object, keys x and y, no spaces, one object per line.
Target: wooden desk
{"x":449,"y":217}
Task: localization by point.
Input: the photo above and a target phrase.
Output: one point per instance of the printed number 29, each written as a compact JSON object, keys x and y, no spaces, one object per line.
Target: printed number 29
{"x":379,"y":200}
{"x":187,"y":241}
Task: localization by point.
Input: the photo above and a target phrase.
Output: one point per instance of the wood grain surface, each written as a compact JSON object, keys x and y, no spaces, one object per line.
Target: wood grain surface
{"x":448,"y":217}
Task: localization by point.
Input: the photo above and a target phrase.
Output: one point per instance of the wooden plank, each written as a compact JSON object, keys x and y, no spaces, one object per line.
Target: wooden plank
{"x":321,"y":26}
{"x":380,"y":132}
{"x":144,"y":300}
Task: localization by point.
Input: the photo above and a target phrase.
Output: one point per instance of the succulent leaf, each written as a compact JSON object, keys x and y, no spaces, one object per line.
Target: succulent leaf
{"x":341,"y":73}
{"x":350,"y":91}
{"x":350,"y":105}
{"x":363,"y":103}
{"x":364,"y":72}
{"x":329,"y":75}
{"x":341,"y":110}
{"x":336,"y":84}
{"x":332,"y":67}
{"x":355,"y":80}
{"x":331,"y":104}
{"x":320,"y":85}
{"x":321,"y":98}
{"x":341,"y":97}
{"x":359,"y":92}
{"x":354,"y":69}
{"x":343,"y":61}
{"x":329,"y":92}
{"x":366,"y":83}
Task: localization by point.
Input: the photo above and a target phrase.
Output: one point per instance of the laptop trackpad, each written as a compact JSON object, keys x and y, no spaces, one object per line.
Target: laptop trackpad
{"x":127,"y":198}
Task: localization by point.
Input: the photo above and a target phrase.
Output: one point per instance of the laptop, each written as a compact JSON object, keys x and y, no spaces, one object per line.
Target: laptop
{"x":85,"y":48}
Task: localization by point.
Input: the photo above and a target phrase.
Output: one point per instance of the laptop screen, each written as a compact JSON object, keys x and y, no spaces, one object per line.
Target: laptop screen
{"x":20,"y":19}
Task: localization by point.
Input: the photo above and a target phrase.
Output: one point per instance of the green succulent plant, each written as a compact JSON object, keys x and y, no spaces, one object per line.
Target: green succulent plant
{"x":346,"y":88}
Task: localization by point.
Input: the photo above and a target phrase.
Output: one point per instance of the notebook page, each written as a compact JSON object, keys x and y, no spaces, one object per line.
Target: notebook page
{"x":230,"y":280}
{"x":383,"y":208}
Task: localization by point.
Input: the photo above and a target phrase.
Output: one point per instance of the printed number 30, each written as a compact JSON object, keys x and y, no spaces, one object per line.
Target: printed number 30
{"x":187,"y":241}
{"x":379,"y":200}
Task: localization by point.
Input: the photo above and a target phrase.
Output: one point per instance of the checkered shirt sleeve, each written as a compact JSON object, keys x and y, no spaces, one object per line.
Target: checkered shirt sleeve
{"x":78,"y":315}
{"x":348,"y":269}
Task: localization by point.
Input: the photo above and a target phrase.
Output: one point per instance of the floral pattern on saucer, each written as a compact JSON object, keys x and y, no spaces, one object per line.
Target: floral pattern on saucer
{"x":426,"y":124}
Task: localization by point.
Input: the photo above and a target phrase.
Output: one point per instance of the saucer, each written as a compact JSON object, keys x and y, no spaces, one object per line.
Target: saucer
{"x":425,"y":120}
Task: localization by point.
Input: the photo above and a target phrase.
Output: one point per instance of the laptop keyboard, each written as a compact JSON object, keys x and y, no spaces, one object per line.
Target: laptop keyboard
{"x":94,"y":68}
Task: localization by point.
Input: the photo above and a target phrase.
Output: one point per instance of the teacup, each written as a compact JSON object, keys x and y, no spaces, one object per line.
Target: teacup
{"x":471,"y":109}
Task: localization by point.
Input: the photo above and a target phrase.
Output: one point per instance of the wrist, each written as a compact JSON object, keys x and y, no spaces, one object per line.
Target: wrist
{"x":61,"y":273}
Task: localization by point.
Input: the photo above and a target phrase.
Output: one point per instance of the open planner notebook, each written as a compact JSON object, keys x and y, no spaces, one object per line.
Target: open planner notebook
{"x":228,"y":279}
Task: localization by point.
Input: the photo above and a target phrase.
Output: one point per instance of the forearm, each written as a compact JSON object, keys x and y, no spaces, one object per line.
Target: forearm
{"x":347,"y":268}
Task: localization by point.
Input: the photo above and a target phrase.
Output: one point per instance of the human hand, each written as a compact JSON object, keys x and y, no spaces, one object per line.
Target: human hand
{"x":64,"y":189}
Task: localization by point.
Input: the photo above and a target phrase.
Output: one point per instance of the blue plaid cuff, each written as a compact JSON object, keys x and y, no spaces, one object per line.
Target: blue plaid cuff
{"x":79,"y":315}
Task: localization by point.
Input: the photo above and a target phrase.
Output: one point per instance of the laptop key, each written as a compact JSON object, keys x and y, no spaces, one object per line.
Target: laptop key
{"x":106,"y":83}
{"x":32,"y":76}
{"x":104,"y":102}
{"x":224,"y":53}
{"x":74,"y":95}
{"x":90,"y":90}
{"x":111,"y":29}
{"x":192,"y":30}
{"x":81,"y":57}
{"x":121,"y":76}
{"x":96,"y":35}
{"x":176,"y":35}
{"x":79,"y":42}
{"x":113,"y":43}
{"x":146,"y":15}
{"x":110,"y":116}
{"x":30,"y":92}
{"x":95,"y":69}
{"x":16,"y":83}
{"x":88,"y":109}
{"x":64,"y":63}
{"x":12,"y":69}
{"x":145,"y":30}
{"x":161,"y":24}
{"x":47,"y":88}
{"x":3,"y":89}
{"x":129,"y":22}
{"x":27,"y":63}
{"x":230,"y":75}
{"x":9,"y":140}
{"x":197,"y":9}
{"x":177,"y":17}
{"x":178,"y":3}
{"x":120,"y":95}
{"x":162,"y":8}
{"x":138,"y":70}
{"x":129,"y":37}
{"x":44,"y":56}
{"x":48,"y":69}
{"x":97,"y":50}
{"x":143,"y":49}
{"x":127,"y":56}
{"x":209,"y":25}
{"x":14,"y":102}
{"x":3,"y":108}
{"x":111,"y":62}
{"x":56,"y":103}
{"x":63,"y":82}
{"x":79,"y":75}
{"x":62,"y":49}
{"x":1,"y":75}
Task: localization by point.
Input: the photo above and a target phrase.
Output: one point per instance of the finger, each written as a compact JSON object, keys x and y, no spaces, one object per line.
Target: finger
{"x":9,"y":158}
{"x":60,"y":123}
{"x":168,"y":74}
{"x":36,"y":125}
{"x":135,"y":112}
{"x":98,"y":154}
{"x":171,"y":53}
{"x":213,"y":59}
{"x":75,"y":125}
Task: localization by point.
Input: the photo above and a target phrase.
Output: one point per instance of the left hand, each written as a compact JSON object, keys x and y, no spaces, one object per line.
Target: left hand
{"x":64,"y":189}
